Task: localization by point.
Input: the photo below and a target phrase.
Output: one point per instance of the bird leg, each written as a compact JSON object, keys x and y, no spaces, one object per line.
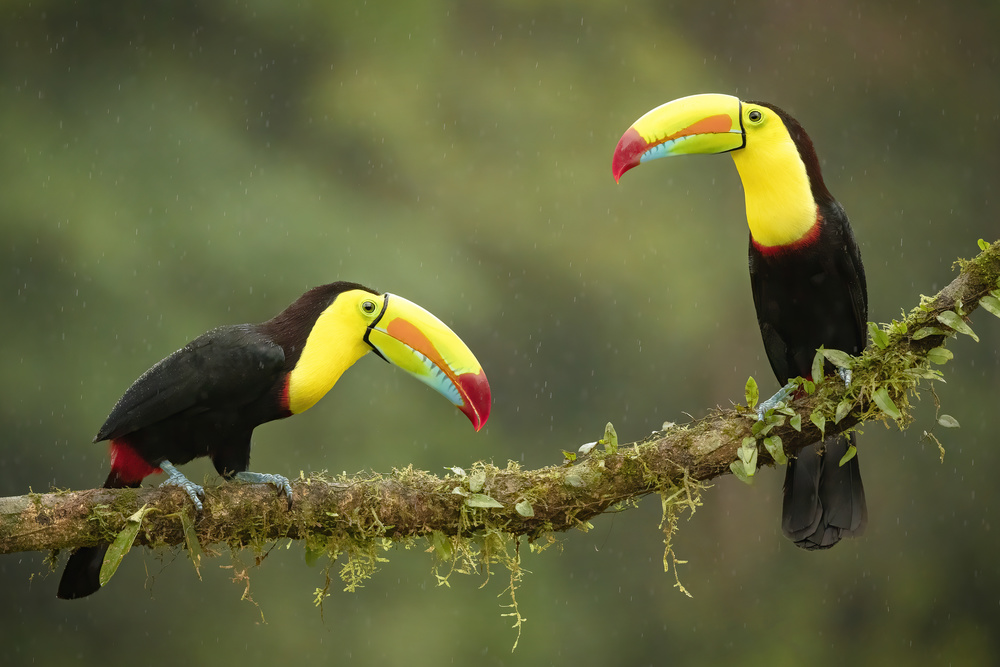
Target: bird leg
{"x":280,"y":482}
{"x":770,"y":403}
{"x":176,"y":478}
{"x":786,"y":391}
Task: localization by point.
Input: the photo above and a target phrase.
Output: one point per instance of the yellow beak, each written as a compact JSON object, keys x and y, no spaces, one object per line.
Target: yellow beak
{"x":407,"y":336}
{"x":708,"y":123}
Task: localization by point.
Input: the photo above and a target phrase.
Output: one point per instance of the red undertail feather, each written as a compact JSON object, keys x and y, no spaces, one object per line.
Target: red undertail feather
{"x":127,"y":465}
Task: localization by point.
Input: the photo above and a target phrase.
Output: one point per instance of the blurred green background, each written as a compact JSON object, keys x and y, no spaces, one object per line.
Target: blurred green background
{"x":171,"y":166}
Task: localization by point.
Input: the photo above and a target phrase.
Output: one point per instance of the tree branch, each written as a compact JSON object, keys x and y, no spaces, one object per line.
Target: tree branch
{"x":335,"y":513}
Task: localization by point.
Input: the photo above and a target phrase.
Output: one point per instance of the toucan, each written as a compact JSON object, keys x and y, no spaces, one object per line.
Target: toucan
{"x":806,"y":276}
{"x":206,"y":398}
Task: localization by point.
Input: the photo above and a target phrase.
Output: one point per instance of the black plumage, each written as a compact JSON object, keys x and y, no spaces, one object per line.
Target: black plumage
{"x":809,"y":294}
{"x":205,"y":399}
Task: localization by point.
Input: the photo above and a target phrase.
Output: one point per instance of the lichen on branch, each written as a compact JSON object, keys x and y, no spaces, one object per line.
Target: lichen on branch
{"x":476,"y":514}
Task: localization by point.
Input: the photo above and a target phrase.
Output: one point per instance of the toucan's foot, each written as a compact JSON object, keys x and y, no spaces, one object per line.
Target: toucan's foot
{"x":845,"y":375}
{"x":770,"y":403}
{"x":176,"y":478}
{"x":279,"y":481}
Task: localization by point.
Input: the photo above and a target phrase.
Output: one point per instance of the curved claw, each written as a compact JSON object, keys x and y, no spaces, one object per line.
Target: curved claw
{"x":280,"y":482}
{"x":176,"y":478}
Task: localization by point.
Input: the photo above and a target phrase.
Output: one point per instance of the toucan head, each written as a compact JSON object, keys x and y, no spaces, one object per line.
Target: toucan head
{"x":359,"y":320}
{"x":774,"y":156}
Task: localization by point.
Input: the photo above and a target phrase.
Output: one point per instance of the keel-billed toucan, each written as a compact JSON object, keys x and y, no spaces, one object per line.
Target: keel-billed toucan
{"x":805,"y":272}
{"x":207,"y":398}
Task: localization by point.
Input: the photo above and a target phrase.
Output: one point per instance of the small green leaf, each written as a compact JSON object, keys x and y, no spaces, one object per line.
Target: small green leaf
{"x":842,"y":409}
{"x":740,"y":472}
{"x":983,"y":245}
{"x":568,"y":457}
{"x":991,"y":303}
{"x":748,"y":456}
{"x":796,"y":422}
{"x":775,"y":449}
{"x":525,"y":509}
{"x":924,"y":332}
{"x":751,"y":393}
{"x":819,"y":420}
{"x":819,"y":361}
{"x":750,"y":466}
{"x":482,"y":500}
{"x":458,"y":471}
{"x":851,"y":452}
{"x":123,"y":542}
{"x":442,"y":545}
{"x":951,"y":319}
{"x":313,"y":555}
{"x":574,"y":480}
{"x":948,"y":421}
{"x":839,"y":358}
{"x":762,"y":428}
{"x":879,"y":337}
{"x":610,"y":439}
{"x":477,"y":480}
{"x":939,"y":355}
{"x":191,"y":540}
{"x":885,"y":403}
{"x":809,"y":386}
{"x":925,"y":374}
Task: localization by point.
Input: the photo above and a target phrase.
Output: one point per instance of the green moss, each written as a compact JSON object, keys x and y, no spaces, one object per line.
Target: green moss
{"x":356,"y":546}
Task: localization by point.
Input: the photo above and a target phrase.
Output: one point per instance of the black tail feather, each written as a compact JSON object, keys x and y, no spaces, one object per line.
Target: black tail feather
{"x":82,"y":574}
{"x":823,"y":500}
{"x":83,"y":569}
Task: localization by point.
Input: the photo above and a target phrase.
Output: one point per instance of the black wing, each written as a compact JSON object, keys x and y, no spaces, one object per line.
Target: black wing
{"x":225,"y":367}
{"x":851,"y":267}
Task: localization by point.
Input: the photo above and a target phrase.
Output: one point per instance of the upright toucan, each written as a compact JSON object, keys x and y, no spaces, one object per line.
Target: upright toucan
{"x":805,"y":272}
{"x":206,"y":398}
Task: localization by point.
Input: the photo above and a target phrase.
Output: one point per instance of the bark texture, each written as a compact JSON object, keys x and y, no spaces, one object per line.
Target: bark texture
{"x":410,"y":503}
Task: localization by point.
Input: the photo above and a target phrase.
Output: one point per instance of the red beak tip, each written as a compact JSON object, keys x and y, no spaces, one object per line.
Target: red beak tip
{"x":627,"y":153}
{"x":476,"y":392}
{"x":477,"y":417}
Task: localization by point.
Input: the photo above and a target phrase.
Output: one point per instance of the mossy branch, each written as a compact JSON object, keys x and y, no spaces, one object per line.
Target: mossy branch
{"x":410,"y":503}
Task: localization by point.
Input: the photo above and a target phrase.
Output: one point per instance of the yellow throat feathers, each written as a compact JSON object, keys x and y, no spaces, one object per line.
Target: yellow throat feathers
{"x":334,"y":344}
{"x":779,"y":201}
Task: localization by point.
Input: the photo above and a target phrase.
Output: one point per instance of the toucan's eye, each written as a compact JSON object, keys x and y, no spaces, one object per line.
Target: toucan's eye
{"x":754,"y":116}
{"x":368,"y":307}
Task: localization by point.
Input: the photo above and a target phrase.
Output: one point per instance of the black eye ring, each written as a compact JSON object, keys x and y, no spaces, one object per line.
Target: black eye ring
{"x":368,"y":307}
{"x":754,"y":116}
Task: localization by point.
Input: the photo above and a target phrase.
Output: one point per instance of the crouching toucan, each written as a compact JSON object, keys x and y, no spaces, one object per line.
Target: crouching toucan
{"x":805,"y":272}
{"x":207,"y":398}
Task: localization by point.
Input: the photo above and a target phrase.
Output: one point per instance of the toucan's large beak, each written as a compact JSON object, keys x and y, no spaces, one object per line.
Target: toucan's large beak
{"x":707,"y":123}
{"x":406,"y":335}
